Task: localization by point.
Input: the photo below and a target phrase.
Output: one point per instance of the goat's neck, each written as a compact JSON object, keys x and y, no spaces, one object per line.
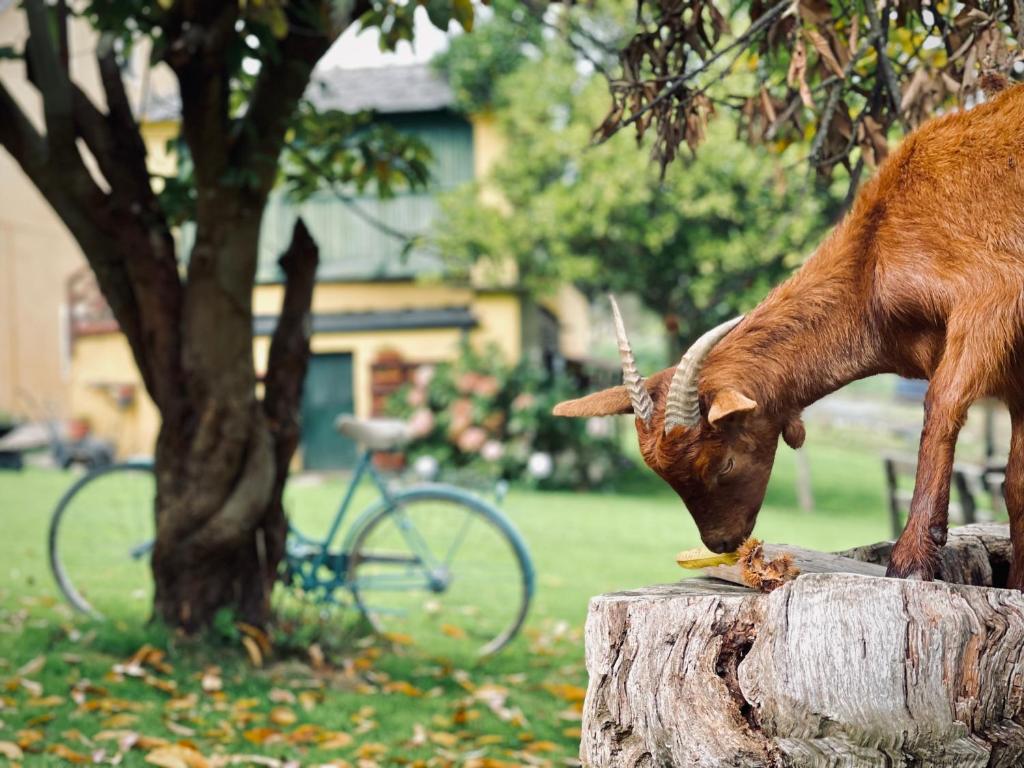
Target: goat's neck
{"x":809,"y":337}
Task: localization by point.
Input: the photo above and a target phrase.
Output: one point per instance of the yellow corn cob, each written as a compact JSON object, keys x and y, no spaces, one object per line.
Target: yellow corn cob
{"x":702,"y":557}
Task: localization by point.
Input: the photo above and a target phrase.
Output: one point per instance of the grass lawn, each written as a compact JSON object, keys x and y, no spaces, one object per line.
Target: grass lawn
{"x":67,"y":692}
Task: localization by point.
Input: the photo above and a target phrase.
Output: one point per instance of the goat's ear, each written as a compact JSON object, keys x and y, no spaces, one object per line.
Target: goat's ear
{"x":607,"y":402}
{"x":729,"y":402}
{"x":794,"y":433}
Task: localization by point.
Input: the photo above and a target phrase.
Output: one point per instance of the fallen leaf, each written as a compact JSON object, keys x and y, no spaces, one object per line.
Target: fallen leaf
{"x":31,"y":686}
{"x":28,"y":737}
{"x":453,"y":631}
{"x":336,"y":740}
{"x":10,"y":750}
{"x":444,"y":739}
{"x":31,"y":667}
{"x":370,"y":750}
{"x":46,"y":701}
{"x":262,"y":735}
{"x":566,"y":691}
{"x":309,"y":699}
{"x":404,"y":687}
{"x":282,"y":716}
{"x":176,"y":756}
{"x":165,"y":686}
{"x":68,"y":754}
{"x":281,"y":696}
{"x":252,"y":648}
{"x":211,"y":680}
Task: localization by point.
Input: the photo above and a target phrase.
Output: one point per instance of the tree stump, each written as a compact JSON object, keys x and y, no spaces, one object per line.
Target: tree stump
{"x":832,"y":669}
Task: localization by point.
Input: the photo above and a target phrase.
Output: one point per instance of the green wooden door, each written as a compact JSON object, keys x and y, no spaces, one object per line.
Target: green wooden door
{"x":326,"y":394}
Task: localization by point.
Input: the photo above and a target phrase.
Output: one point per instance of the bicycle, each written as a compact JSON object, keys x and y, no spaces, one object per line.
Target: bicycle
{"x":428,"y":557}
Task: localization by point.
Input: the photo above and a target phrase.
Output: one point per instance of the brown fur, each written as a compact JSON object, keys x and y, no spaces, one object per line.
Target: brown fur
{"x":925,"y":278}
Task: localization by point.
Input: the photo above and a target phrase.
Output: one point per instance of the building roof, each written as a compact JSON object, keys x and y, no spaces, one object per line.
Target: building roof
{"x":386,"y":90}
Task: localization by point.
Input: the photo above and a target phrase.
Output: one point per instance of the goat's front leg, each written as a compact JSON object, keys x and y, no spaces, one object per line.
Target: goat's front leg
{"x":915,"y":555}
{"x":1015,"y":496}
{"x":957,"y":382}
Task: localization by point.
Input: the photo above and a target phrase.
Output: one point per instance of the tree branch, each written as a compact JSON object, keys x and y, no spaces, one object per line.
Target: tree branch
{"x":881,"y":38}
{"x":51,"y":79}
{"x":289,"y":348}
{"x":130,"y":149}
{"x":258,"y":137}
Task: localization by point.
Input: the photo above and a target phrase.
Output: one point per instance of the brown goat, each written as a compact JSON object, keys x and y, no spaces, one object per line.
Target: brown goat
{"x":924,"y":277}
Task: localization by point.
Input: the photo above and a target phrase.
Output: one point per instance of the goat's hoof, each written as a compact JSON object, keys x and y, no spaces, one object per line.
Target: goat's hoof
{"x":938,"y":534}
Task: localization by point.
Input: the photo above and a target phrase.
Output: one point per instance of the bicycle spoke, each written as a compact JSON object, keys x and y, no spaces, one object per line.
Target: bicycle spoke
{"x":472,"y":599}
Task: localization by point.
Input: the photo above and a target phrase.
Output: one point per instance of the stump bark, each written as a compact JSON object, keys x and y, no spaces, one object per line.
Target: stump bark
{"x":833,"y":669}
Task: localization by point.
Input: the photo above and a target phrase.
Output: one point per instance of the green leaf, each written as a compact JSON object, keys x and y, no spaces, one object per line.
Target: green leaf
{"x":464,"y":13}
{"x":440,"y":12}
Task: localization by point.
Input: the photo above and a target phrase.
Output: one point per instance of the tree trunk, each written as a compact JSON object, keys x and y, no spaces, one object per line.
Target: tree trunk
{"x":221,"y":471}
{"x":831,"y":669}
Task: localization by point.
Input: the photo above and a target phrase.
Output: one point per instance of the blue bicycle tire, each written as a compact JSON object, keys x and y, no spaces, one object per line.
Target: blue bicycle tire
{"x":383,"y":510}
{"x":64,"y":583}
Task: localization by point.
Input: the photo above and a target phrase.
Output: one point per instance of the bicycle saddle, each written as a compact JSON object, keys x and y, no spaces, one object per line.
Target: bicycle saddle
{"x":374,"y":434}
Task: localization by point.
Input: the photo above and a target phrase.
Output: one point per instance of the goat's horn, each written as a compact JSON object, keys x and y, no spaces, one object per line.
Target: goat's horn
{"x":682,"y":404}
{"x":640,"y":398}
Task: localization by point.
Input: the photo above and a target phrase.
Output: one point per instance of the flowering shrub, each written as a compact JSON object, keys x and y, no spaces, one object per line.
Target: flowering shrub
{"x":493,"y":419}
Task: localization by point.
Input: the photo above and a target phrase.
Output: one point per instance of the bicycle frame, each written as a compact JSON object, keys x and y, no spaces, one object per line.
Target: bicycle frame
{"x":363,"y":469}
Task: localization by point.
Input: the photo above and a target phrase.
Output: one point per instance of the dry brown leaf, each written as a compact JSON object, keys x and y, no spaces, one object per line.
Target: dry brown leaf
{"x":10,"y":750}
{"x":309,"y":699}
{"x":29,"y":736}
{"x":797,"y":75}
{"x":566,"y":691}
{"x":176,"y":756}
{"x":262,"y":735}
{"x":69,"y":755}
{"x":252,"y":648}
{"x":453,"y":631}
{"x":46,"y":701}
{"x":33,"y":688}
{"x":335,"y":740}
{"x":822,"y":47}
{"x":165,"y":686}
{"x":281,"y":696}
{"x":404,"y":687}
{"x":282,"y":716}
{"x":261,"y":638}
{"x":211,"y":681}
{"x":31,"y":667}
{"x":444,"y":738}
{"x":371,"y":750}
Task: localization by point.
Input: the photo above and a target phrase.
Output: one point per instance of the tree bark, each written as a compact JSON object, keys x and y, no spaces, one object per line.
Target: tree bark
{"x":221,"y":524}
{"x":831,"y":669}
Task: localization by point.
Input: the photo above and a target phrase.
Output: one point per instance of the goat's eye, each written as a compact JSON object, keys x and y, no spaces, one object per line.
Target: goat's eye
{"x":727,"y":468}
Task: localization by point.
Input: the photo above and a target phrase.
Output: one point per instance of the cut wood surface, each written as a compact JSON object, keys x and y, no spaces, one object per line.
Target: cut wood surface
{"x":806,"y":560}
{"x":832,"y":669}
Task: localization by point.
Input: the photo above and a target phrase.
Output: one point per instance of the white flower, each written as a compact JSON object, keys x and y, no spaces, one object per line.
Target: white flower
{"x":426,"y":467}
{"x":423,"y":376}
{"x":540,"y":465}
{"x":492,"y":450}
{"x":598,"y":427}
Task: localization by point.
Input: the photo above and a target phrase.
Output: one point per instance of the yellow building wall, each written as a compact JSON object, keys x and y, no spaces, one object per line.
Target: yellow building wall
{"x":102,"y":364}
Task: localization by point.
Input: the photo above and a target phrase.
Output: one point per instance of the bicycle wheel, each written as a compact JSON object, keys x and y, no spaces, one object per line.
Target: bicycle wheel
{"x":443,"y":569}
{"x":101,"y":535}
